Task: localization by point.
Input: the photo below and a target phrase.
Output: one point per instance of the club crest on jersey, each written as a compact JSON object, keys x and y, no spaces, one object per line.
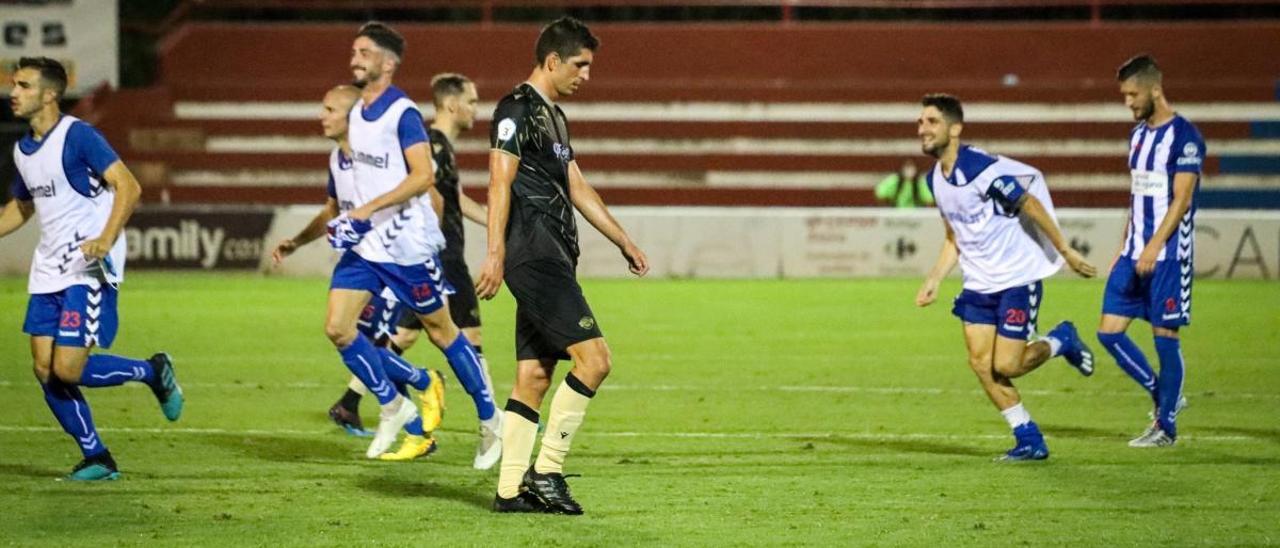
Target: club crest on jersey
{"x":1190,"y":155}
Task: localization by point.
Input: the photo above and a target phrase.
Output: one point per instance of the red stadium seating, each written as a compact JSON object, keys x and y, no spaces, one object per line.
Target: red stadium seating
{"x":1030,"y":66}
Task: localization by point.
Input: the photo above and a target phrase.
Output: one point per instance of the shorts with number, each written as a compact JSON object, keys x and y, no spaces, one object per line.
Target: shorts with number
{"x":81,"y":315}
{"x":420,"y":288}
{"x":464,"y":307}
{"x":551,"y":312}
{"x":1013,"y":311}
{"x":1163,"y":298}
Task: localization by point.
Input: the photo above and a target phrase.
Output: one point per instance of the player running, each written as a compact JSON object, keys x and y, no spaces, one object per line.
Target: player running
{"x":455,"y":101}
{"x":1151,"y":278}
{"x":391,"y":236}
{"x":333,"y":119}
{"x":1001,"y":229}
{"x":534,"y":186}
{"x":83,"y":194}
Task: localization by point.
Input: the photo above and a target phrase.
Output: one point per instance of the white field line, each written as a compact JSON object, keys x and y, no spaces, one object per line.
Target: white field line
{"x":866,"y":436}
{"x":748,"y":146}
{"x":1033,"y":113}
{"x":878,"y":390}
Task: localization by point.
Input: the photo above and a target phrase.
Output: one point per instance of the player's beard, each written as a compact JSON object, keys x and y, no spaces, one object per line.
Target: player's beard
{"x":1144,"y":114}
{"x":939,"y":144}
{"x":369,"y":76}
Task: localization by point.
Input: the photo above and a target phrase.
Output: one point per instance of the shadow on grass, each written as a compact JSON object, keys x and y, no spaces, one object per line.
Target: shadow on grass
{"x":29,"y":471}
{"x":399,"y":487}
{"x":301,"y":449}
{"x":905,"y":446}
{"x":1084,"y":432}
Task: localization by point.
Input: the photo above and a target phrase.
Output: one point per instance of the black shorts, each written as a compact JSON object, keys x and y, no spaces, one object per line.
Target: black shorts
{"x":464,"y":307}
{"x":551,"y":312}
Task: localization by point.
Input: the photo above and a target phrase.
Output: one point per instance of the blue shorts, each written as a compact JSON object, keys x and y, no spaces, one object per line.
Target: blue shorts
{"x":420,"y":288}
{"x":79,"y":315}
{"x":1162,"y":298}
{"x":1013,"y":311}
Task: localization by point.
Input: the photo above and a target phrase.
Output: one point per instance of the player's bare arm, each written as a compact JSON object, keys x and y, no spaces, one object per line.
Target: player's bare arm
{"x":421,"y":179}
{"x":15,"y":214}
{"x":502,"y":173}
{"x":127,"y":190}
{"x":472,"y":210}
{"x":1183,"y":185}
{"x":588,"y":202}
{"x":947,"y":259}
{"x":313,"y":230}
{"x":437,"y":201}
{"x":1031,"y":208}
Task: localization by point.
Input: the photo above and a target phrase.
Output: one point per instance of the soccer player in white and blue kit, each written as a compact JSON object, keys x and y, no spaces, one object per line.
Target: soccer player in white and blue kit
{"x":392,"y":235}
{"x":1001,"y":229}
{"x":377,"y":322}
{"x":1151,"y":279}
{"x":71,"y":179}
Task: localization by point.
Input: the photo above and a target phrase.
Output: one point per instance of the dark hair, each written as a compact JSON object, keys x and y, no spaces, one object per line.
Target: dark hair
{"x":447,"y":84}
{"x":1143,"y":66}
{"x":385,"y":37}
{"x":948,"y":105}
{"x":565,"y":36}
{"x":51,"y":71}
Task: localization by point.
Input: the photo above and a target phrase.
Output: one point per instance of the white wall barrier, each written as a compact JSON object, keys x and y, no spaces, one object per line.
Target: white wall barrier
{"x":687,"y":242}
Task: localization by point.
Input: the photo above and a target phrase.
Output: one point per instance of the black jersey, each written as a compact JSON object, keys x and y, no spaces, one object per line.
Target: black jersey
{"x":447,"y":184}
{"x":541,"y":225}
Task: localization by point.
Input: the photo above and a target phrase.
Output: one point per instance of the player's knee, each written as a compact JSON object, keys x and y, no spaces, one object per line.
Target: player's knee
{"x":599,"y":363}
{"x":980,"y":363}
{"x":42,"y":371}
{"x":341,"y":335}
{"x":1005,"y":368}
{"x":405,"y":338}
{"x":66,"y":373}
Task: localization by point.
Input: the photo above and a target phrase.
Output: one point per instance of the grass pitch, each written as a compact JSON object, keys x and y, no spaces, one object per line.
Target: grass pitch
{"x":739,"y":412}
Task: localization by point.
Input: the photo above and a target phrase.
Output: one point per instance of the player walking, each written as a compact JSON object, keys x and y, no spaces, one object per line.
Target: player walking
{"x":534,"y":187}
{"x":1151,"y":278}
{"x":1001,"y":229}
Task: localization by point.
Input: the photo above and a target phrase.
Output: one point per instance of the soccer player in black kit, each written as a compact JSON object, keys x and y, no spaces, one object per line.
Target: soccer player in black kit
{"x":534,"y":187}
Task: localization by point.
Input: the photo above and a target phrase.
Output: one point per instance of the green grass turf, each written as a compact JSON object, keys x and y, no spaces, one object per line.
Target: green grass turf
{"x":739,"y":412}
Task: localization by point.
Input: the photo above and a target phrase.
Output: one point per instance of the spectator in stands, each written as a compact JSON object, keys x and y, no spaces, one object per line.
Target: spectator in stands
{"x":906,"y":188}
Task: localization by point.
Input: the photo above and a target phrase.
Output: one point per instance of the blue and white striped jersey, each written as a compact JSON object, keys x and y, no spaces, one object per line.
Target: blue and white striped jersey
{"x":1156,"y":154}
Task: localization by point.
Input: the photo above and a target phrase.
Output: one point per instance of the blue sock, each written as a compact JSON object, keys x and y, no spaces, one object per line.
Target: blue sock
{"x":1169,"y":350}
{"x":1132,"y":361}
{"x":72,"y":411}
{"x":466,"y":368}
{"x":107,"y":370}
{"x":401,"y":371}
{"x":366,"y":364}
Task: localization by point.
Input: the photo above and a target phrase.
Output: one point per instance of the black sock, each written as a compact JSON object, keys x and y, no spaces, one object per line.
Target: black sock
{"x":350,"y":401}
{"x":395,"y":348}
{"x":478,"y":350}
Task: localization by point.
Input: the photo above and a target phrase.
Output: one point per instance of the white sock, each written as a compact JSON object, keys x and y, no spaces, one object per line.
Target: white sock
{"x":358,"y":387}
{"x":1016,"y":416}
{"x":1055,"y":346}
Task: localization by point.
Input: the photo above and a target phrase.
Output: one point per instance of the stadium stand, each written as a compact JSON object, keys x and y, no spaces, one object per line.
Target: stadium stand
{"x":805,"y":114}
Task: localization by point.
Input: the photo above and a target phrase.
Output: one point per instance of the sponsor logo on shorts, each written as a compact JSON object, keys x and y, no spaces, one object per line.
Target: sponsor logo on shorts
{"x":1173,"y":316}
{"x":68,"y":333}
{"x":587,"y":322}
